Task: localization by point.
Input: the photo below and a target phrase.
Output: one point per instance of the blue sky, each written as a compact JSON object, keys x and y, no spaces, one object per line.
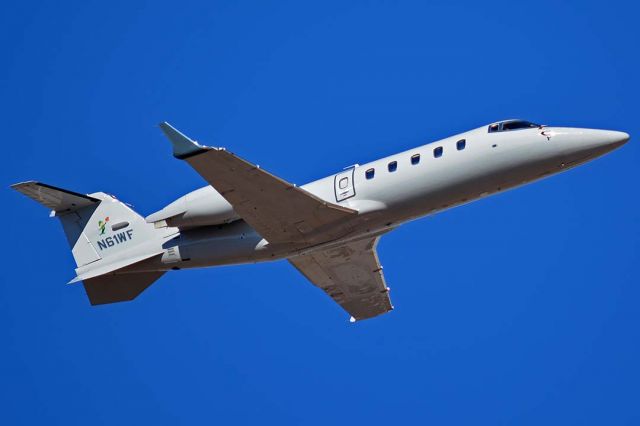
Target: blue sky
{"x":518,"y":309}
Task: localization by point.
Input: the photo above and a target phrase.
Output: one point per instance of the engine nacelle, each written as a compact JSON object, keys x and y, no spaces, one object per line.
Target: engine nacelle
{"x":204,"y":206}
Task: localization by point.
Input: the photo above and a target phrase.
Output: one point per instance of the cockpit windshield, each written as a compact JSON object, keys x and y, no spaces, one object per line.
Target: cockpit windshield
{"x":512,"y":125}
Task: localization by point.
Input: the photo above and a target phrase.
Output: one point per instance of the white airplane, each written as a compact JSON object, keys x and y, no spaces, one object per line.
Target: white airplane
{"x":327,"y":229}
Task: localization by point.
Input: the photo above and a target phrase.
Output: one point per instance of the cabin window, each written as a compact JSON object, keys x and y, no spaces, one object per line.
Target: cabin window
{"x":393,"y":166}
{"x":118,"y":226}
{"x":343,"y":183}
{"x":461,"y":144}
{"x":415,"y":159}
{"x":369,"y":174}
{"x":437,"y":152}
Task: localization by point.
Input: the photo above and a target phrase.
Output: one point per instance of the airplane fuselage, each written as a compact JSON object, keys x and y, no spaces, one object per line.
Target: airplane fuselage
{"x":400,"y":188}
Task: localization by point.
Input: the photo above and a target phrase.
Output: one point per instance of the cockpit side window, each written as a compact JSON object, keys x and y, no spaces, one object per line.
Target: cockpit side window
{"x":512,"y":125}
{"x":517,"y":125}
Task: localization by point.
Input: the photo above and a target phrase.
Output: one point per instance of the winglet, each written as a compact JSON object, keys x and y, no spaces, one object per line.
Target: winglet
{"x":183,"y":147}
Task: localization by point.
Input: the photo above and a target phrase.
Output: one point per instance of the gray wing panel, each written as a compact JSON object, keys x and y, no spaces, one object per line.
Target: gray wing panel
{"x":351,"y":275}
{"x":279,"y":211}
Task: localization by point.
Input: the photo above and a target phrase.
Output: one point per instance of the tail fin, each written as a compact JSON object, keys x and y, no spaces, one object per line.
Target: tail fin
{"x":105,"y":236}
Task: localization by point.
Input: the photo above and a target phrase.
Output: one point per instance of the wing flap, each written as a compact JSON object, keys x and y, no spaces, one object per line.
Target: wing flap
{"x":351,"y":275}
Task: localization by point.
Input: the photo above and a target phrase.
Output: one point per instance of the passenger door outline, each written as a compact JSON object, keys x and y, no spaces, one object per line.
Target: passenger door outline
{"x":348,"y":190}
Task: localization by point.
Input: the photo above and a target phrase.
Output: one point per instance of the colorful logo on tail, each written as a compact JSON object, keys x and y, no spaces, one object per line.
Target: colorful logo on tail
{"x":102,"y":225}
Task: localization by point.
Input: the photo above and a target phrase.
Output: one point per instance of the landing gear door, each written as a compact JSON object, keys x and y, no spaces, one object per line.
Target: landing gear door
{"x":343,"y":185}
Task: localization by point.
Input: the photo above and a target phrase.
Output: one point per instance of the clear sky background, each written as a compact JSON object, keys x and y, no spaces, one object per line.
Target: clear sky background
{"x":518,"y":309}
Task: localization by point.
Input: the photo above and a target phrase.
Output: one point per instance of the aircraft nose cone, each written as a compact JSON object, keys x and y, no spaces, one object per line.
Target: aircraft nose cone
{"x":613,"y":138}
{"x":578,"y":143}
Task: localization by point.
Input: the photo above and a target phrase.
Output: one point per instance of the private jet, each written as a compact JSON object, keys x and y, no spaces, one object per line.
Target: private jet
{"x":327,"y":229}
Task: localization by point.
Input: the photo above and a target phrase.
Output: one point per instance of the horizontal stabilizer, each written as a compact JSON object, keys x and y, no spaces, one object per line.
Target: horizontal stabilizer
{"x":57,"y":199}
{"x":118,"y":287}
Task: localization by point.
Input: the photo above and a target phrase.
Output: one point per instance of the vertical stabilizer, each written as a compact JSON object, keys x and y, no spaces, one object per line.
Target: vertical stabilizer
{"x":105,"y":235}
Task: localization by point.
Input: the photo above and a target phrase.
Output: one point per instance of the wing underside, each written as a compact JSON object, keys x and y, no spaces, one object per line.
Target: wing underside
{"x":280,"y":211}
{"x":351,"y":275}
{"x":285,"y":214}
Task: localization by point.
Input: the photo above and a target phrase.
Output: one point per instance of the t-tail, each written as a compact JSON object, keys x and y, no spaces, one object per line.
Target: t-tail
{"x":107,"y":239}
